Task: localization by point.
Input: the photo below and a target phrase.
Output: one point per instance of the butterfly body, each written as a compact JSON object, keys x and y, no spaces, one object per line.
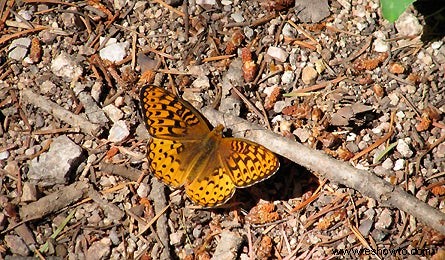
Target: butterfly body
{"x":184,"y":151}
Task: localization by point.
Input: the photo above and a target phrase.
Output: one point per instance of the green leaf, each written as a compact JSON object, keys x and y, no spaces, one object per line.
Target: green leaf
{"x":392,"y":9}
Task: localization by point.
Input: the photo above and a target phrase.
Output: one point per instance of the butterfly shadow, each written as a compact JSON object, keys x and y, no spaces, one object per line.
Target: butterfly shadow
{"x":290,"y":182}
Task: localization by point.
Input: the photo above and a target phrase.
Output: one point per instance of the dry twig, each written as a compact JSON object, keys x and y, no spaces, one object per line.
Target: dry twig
{"x":365,"y":182}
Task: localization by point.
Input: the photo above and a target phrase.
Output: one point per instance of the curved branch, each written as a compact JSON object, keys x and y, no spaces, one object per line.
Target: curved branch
{"x":343,"y":173}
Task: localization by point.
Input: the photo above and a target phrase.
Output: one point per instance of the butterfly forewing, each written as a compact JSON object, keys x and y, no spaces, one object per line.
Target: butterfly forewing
{"x":168,"y":117}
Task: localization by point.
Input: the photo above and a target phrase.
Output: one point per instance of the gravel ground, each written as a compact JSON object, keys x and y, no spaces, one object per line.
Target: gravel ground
{"x":332,"y":75}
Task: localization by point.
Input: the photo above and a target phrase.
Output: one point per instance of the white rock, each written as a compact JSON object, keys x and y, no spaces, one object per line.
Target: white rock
{"x":277,"y":54}
{"x":394,"y":98}
{"x":114,"y":113}
{"x":114,"y":51}
{"x":206,"y":2}
{"x":399,"y":165}
{"x":287,"y":77}
{"x":4,"y":155}
{"x":408,"y":25}
{"x":404,"y":149}
{"x":118,"y":132}
{"x":351,"y":137}
{"x":436,"y":45}
{"x":388,"y":164}
{"x":177,"y":238}
{"x":381,"y":46}
{"x":143,"y":190}
{"x":65,"y":66}
{"x":237,"y":17}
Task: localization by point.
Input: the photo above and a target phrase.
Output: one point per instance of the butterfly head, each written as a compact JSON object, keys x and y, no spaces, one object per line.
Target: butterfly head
{"x":218,"y":129}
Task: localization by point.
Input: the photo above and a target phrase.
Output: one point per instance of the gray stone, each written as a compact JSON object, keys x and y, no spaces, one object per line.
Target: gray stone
{"x":16,"y":245}
{"x":19,"y":48}
{"x":55,"y":166}
{"x":29,"y":192}
{"x":94,"y":113}
{"x":99,"y":249}
{"x":309,"y":11}
{"x":228,"y":245}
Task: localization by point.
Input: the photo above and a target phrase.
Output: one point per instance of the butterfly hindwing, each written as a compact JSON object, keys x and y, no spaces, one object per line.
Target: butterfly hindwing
{"x":211,"y":189}
{"x":164,"y":161}
{"x":247,"y":163}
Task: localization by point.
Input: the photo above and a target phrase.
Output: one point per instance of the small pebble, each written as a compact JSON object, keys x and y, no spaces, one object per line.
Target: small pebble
{"x":143,"y":190}
{"x":118,"y":132}
{"x":289,"y":31}
{"x":4,"y":155}
{"x":388,"y":164}
{"x":309,"y":75}
{"x":66,"y":66}
{"x":237,"y":17}
{"x":19,"y":48}
{"x":48,"y":87}
{"x":176,"y":238}
{"x":114,"y":113}
{"x":277,"y":53}
{"x":384,"y":220}
{"x":404,"y":149}
{"x":408,"y":25}
{"x":399,"y":165}
{"x":99,"y":249}
{"x":114,"y":51}
{"x":287,"y":77}
{"x":303,"y":134}
{"x":279,"y":105}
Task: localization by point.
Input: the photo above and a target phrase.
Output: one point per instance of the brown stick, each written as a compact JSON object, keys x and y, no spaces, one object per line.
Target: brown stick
{"x":68,"y":117}
{"x":365,"y":182}
{"x":54,"y":201}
